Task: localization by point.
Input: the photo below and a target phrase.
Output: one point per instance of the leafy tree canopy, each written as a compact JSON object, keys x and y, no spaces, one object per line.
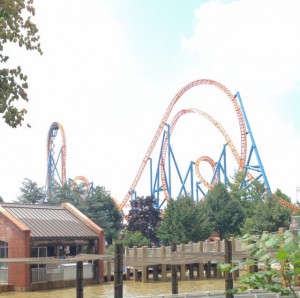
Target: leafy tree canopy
{"x":101,"y":208}
{"x":281,"y":195}
{"x":134,"y":239}
{"x":271,"y":215}
{"x":271,"y":249}
{"x":184,"y":220}
{"x":31,"y":193}
{"x":225,"y":213}
{"x":16,"y":27}
{"x":144,"y":217}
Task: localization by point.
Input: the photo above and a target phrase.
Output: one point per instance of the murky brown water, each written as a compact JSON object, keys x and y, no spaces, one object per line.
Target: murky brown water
{"x":130,"y":289}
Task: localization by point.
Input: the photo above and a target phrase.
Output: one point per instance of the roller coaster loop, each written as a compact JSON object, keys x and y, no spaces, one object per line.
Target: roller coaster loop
{"x":52,"y":161}
{"x":164,"y":121}
{"x":252,"y":171}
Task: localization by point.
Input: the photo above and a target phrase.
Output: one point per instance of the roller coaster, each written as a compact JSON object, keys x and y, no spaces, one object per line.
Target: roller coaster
{"x":248,"y":161}
{"x":56,"y":163}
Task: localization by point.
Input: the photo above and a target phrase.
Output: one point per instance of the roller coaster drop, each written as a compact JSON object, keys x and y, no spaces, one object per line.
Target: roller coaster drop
{"x":160,"y":180}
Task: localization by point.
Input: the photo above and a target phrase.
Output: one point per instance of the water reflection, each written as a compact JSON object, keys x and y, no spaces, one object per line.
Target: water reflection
{"x":130,"y":289}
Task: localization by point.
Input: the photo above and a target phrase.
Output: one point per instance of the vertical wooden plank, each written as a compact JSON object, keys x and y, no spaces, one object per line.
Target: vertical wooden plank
{"x":118,"y":271}
{"x":79,"y":279}
{"x":174,"y":272}
{"x":228,"y":275}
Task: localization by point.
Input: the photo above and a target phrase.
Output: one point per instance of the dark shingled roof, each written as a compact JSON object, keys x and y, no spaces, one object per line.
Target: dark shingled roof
{"x":50,"y":222}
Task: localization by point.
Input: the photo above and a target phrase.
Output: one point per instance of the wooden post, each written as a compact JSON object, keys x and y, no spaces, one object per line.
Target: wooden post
{"x":191,"y":266}
{"x":164,"y":266}
{"x":118,"y":272}
{"x":174,"y":272}
{"x":135,"y":270}
{"x":236,"y":273}
{"x":200,"y":272}
{"x":228,"y":275}
{"x":208,"y":269}
{"x":182,"y":266}
{"x":108,"y":270}
{"x":219,"y":272}
{"x":125,"y":257}
{"x":79,"y":278}
{"x":144,"y":267}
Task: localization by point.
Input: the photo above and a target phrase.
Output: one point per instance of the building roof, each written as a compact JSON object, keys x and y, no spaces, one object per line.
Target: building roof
{"x":48,"y":222}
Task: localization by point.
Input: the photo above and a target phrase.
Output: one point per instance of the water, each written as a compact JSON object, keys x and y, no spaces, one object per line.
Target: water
{"x":130,"y":289}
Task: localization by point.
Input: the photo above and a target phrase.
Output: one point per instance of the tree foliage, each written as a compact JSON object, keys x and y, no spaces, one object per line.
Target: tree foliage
{"x":270,"y":215}
{"x":225,"y":213}
{"x":280,"y":254}
{"x":144,"y":217}
{"x":134,"y":239}
{"x":31,"y":193}
{"x":281,"y":195}
{"x":16,"y":27}
{"x":184,"y":220}
{"x":101,"y":208}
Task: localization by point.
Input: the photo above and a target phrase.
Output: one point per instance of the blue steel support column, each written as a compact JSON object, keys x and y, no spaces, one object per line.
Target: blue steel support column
{"x":169,"y":160}
{"x":151,"y":180}
{"x":192,"y":180}
{"x":225,"y":167}
{"x":254,"y":146}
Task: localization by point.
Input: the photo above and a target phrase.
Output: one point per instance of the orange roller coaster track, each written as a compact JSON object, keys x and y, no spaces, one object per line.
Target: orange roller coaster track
{"x":207,"y":159}
{"x":52,"y":162}
{"x":238,"y":111}
{"x":240,"y":158}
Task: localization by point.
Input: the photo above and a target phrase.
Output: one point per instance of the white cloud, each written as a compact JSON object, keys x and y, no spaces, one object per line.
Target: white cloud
{"x":253,"y":46}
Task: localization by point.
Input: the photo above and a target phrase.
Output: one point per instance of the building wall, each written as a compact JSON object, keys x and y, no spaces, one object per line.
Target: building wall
{"x":97,"y":229}
{"x":18,"y":238}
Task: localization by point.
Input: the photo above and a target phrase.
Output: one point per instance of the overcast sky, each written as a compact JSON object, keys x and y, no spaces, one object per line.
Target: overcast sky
{"x":111,"y":68}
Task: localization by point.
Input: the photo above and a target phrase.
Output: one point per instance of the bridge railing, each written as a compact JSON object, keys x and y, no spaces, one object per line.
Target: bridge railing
{"x":201,"y":246}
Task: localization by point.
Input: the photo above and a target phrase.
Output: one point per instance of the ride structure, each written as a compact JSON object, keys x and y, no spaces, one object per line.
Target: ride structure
{"x":56,"y":163}
{"x":88,"y":186}
{"x":54,"y":173}
{"x":162,"y":176}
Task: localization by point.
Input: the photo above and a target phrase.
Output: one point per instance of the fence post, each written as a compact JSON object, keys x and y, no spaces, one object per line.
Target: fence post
{"x":79,"y":278}
{"x":200,"y":269}
{"x":182,"y":266}
{"x":174,"y":272}
{"x":127,"y":256}
{"x":155,"y":267}
{"x":164,"y":266}
{"x":118,"y":271}
{"x":219,"y":272}
{"x":228,"y":275}
{"x":144,"y":267}
{"x":236,"y":273}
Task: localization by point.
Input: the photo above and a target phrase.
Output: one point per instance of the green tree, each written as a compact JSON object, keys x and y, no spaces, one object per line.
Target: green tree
{"x":271,"y":249}
{"x":134,"y":239}
{"x":281,"y":195}
{"x":225,"y":213}
{"x":184,"y":220}
{"x":271,"y":215}
{"x":144,"y":217}
{"x":101,"y":208}
{"x":67,"y":194}
{"x":250,"y":196}
{"x":97,"y":205}
{"x":31,"y":193}
{"x":16,"y":27}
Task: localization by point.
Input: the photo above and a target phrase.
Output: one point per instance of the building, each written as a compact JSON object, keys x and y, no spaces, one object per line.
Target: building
{"x":38,"y":231}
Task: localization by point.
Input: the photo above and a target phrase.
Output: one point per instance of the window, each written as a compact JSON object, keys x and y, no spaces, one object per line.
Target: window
{"x":3,"y":265}
{"x":3,"y":254}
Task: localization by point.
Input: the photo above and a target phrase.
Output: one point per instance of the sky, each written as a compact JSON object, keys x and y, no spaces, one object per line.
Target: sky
{"x":110,"y":69}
